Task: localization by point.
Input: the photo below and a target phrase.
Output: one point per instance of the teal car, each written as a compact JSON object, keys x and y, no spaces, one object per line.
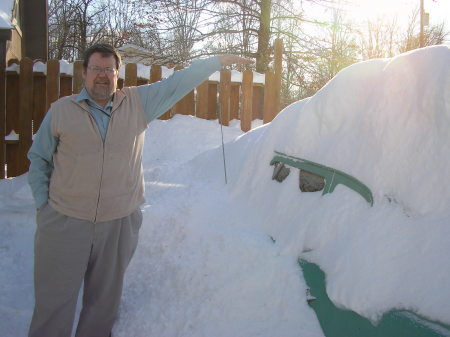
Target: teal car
{"x":334,"y":321}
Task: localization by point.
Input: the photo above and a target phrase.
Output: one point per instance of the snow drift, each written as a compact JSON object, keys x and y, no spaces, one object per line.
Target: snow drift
{"x":221,"y":260}
{"x":387,"y":123}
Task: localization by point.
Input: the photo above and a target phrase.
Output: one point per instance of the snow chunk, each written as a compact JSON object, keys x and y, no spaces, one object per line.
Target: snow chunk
{"x":12,"y":136}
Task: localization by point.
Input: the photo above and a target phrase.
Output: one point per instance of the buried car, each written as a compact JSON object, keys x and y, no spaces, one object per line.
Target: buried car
{"x":334,"y":321}
{"x":376,"y":136}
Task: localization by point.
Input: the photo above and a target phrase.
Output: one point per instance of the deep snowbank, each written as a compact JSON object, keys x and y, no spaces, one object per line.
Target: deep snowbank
{"x":387,"y":123}
{"x":221,"y":260}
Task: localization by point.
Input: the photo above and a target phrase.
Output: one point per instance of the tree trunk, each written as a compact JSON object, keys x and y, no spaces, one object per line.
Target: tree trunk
{"x":263,"y":53}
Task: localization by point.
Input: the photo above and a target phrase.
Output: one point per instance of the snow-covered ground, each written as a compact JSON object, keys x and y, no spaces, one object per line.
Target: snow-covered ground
{"x":221,"y":260}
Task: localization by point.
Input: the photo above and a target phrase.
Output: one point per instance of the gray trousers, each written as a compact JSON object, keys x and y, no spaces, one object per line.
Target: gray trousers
{"x":68,"y":251}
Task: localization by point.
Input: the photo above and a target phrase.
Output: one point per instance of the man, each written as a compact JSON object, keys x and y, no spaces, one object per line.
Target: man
{"x":87,"y":181}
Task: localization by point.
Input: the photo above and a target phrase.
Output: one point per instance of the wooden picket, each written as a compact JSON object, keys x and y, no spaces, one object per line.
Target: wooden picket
{"x":77,"y":76}
{"x":155,"y":76}
{"x":12,"y":123}
{"x":155,"y":73}
{"x":25,"y":113}
{"x":39,"y":99}
{"x":234,"y":100}
{"x":269,"y":99}
{"x":25,"y":97}
{"x":225,"y":96}
{"x":247,"y":88}
{"x":257,"y":101}
{"x":52,"y":81}
{"x":179,"y":107}
{"x":130,"y":75}
{"x":2,"y":119}
{"x":212,"y":101}
{"x":202,"y":101}
{"x":189,"y":104}
{"x":65,"y":85}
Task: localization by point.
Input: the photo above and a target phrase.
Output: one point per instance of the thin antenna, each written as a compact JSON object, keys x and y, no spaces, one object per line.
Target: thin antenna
{"x":223,"y":148}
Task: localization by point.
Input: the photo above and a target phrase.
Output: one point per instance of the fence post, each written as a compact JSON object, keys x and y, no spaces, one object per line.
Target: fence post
{"x":52,"y":81}
{"x":201,"y":110}
{"x":12,"y":122}
{"x":155,"y":73}
{"x":190,"y":103}
{"x":269,"y":93}
{"x":234,"y":100}
{"x":257,"y":101}
{"x":246,"y":112}
{"x":2,"y":118}
{"x":130,"y":75}
{"x":143,"y":80}
{"x":225,"y":91}
{"x":278,"y":60}
{"x":155,"y":76}
{"x":77,"y":76}
{"x":212,"y":101}
{"x":186,"y":105}
{"x":39,"y":99}
{"x":25,"y":112}
{"x":179,"y":107}
{"x":65,"y":85}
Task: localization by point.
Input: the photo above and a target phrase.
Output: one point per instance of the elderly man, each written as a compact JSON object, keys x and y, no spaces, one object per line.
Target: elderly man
{"x":87,"y":181}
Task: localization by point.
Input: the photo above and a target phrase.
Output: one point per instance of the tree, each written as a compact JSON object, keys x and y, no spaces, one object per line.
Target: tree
{"x":378,"y":40}
{"x":180,"y":30}
{"x":61,"y":30}
{"x":410,"y":40}
{"x":248,"y":27}
{"x":333,"y":48}
{"x":76,"y":24}
{"x":241,"y":27}
{"x":176,"y":31}
{"x":71,"y":24}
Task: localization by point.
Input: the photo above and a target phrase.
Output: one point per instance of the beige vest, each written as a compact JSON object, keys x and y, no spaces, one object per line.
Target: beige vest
{"x":95,"y":180}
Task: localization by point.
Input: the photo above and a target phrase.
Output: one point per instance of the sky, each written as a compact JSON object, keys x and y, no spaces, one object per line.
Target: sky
{"x":359,"y":11}
{"x":5,"y":13}
{"x":439,"y":10}
{"x":218,"y":259}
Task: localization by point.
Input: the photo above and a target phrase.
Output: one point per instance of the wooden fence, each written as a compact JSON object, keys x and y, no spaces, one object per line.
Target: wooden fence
{"x":26,"y":95}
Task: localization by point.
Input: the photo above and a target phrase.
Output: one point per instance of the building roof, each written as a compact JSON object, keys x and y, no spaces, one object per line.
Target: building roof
{"x":133,"y":48}
{"x":134,"y":54}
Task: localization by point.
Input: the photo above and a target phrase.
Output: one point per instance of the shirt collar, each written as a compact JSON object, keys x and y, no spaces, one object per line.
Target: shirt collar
{"x":84,"y":95}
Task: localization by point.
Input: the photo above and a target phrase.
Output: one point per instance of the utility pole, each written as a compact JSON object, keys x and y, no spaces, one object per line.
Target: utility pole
{"x":421,"y":37}
{"x":424,"y":21}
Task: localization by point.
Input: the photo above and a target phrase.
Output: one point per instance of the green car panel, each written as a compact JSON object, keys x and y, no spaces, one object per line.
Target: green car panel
{"x":336,"y":322}
{"x":332,"y":176}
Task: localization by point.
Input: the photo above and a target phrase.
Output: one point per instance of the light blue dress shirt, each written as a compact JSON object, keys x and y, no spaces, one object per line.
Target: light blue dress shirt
{"x":156,"y":99}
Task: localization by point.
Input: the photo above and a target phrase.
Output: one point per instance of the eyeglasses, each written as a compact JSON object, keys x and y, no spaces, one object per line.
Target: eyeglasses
{"x":99,"y":70}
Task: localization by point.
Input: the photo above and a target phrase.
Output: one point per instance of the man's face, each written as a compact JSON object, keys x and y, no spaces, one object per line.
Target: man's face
{"x":100,"y":77}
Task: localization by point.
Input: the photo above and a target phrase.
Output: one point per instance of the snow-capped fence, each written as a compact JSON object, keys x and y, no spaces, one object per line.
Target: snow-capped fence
{"x":27,"y":89}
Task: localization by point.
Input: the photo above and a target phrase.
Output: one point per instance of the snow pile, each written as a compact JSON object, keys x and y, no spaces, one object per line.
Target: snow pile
{"x":143,"y":71}
{"x":221,"y":260}
{"x":236,"y":76}
{"x":386,"y":122}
